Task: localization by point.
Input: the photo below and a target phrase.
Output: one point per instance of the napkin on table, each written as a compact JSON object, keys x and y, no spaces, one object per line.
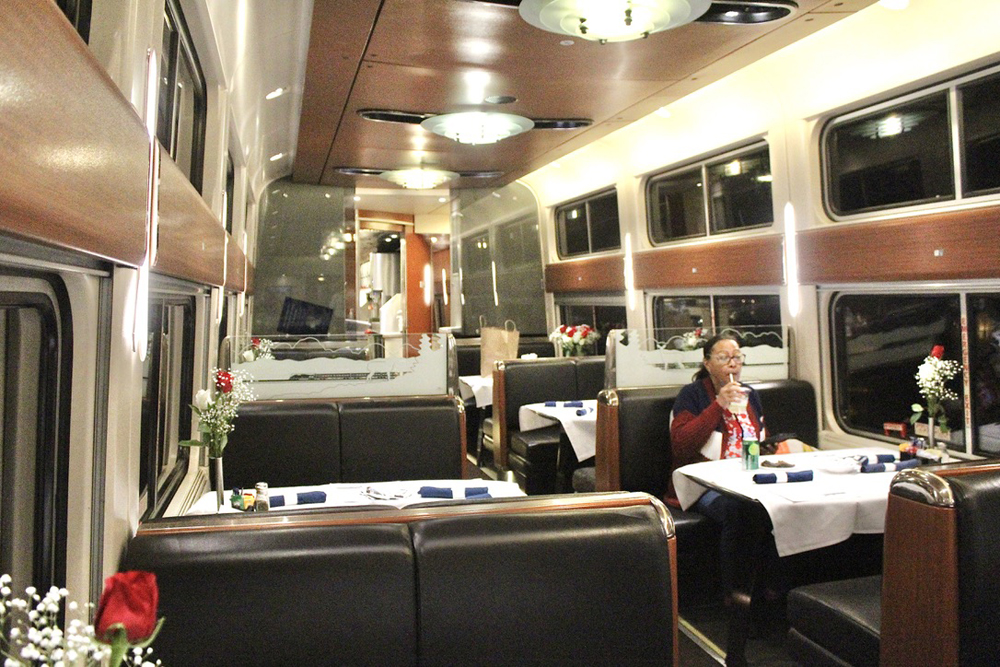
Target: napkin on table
{"x":782,"y":477}
{"x":477,"y":492}
{"x":889,"y":467}
{"x":435,"y":492}
{"x":301,"y":498}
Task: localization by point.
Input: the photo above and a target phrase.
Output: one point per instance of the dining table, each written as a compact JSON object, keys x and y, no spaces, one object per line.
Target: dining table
{"x":399,"y":494}
{"x":577,"y":418}
{"x":837,"y":501}
{"x":476,"y":386}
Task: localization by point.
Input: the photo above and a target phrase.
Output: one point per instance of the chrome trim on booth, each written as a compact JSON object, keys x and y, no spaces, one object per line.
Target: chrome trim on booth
{"x":608,"y":397}
{"x":665,"y":517}
{"x":924,"y":486}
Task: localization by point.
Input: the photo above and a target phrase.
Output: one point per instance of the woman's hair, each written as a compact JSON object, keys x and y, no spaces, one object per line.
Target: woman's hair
{"x":707,"y":350}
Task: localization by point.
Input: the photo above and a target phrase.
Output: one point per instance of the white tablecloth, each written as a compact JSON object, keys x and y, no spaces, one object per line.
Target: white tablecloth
{"x":477,"y":386}
{"x":805,"y":515}
{"x":581,"y":429}
{"x":398,"y":494}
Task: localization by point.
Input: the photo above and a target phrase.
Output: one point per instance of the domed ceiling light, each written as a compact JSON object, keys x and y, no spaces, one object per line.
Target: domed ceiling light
{"x":610,"y":20}
{"x":477,"y":127}
{"x":418,"y":178}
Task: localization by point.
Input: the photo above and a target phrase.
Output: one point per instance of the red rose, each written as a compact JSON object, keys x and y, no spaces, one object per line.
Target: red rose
{"x":224,"y":382}
{"x":255,"y":342}
{"x":562,"y":328}
{"x":129,"y":598}
{"x":571,"y":331}
{"x":937,"y":351}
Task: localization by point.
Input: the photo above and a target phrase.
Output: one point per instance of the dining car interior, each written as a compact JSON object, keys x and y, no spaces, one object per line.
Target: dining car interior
{"x":377,"y":323}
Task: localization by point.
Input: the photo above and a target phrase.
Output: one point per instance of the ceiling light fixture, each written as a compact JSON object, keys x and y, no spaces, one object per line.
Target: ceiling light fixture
{"x":477,"y":127}
{"x":277,"y":92}
{"x":610,"y":20}
{"x":418,"y":178}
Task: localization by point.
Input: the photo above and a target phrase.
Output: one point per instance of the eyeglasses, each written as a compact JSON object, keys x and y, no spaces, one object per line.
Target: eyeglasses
{"x":725,"y":358}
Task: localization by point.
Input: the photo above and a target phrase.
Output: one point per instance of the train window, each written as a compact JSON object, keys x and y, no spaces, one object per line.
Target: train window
{"x":984,"y":373}
{"x":229,"y":195}
{"x":588,"y":225}
{"x":167,"y":393}
{"x":879,"y":342}
{"x":35,"y":365}
{"x":677,"y":204}
{"x":602,"y":318}
{"x":744,"y":312}
{"x":737,"y":196}
{"x":981,"y":136}
{"x":896,"y":156}
{"x":182,"y":98}
{"x":78,"y":13}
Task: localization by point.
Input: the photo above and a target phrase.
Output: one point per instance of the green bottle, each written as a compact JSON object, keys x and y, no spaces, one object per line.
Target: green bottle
{"x":751,"y":451}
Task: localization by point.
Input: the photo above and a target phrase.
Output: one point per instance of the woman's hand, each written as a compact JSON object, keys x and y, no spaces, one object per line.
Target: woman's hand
{"x":733,"y":391}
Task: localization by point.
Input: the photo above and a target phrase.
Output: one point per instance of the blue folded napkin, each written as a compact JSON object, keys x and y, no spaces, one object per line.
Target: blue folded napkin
{"x":885,"y":458}
{"x":889,"y":467}
{"x":573,"y":404}
{"x":550,"y":404}
{"x":584,"y":411}
{"x":782,"y":477}
{"x":478,"y":492}
{"x":435,"y":492}
{"x":301,"y":498}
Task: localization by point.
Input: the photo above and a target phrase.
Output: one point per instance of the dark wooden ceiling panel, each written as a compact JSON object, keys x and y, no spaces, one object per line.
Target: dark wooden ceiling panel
{"x":412,"y":55}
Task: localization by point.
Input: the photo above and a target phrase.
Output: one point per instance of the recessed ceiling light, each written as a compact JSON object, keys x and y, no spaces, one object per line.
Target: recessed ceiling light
{"x":567,"y":42}
{"x":357,"y":198}
{"x":418,"y":178}
{"x":442,"y":199}
{"x":500,"y":99}
{"x":610,"y":21}
{"x":277,"y":92}
{"x":277,"y":157}
{"x":477,"y":127}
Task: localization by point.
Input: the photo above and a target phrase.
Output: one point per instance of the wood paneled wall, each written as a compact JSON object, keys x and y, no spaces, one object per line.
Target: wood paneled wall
{"x":756,"y":260}
{"x":961,"y":245}
{"x":74,"y":158}
{"x":594,"y":274}
{"x":73,"y":153}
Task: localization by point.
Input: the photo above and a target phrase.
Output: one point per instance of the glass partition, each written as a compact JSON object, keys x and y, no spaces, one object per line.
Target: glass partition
{"x":344,"y":366}
{"x":657,"y":357}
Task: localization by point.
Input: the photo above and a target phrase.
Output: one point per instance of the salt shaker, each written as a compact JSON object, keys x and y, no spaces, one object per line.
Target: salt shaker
{"x":261,"y":502}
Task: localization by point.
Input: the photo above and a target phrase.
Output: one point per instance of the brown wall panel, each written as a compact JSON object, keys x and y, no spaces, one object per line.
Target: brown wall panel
{"x":251,"y":274}
{"x":904,"y":249}
{"x":596,"y":274}
{"x":745,"y":261}
{"x":192,"y":240}
{"x":74,"y":154}
{"x":235,"y":266}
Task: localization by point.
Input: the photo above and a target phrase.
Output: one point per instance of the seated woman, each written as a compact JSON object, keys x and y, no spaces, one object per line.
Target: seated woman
{"x":709,"y":422}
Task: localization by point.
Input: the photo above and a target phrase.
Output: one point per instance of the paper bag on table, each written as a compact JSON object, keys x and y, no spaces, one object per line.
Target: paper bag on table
{"x":496,"y":344}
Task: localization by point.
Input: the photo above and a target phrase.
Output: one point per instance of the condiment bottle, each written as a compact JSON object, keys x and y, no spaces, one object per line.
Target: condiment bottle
{"x":236,"y":500}
{"x":261,"y":503}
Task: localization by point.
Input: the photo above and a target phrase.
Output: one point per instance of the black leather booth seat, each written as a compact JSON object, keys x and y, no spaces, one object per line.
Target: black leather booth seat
{"x":542,"y":461}
{"x":318,"y":441}
{"x":536,"y":581}
{"x":936,"y":601}
{"x":633,"y":454}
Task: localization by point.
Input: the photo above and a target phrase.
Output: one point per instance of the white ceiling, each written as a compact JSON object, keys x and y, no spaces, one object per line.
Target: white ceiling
{"x":412,"y":202}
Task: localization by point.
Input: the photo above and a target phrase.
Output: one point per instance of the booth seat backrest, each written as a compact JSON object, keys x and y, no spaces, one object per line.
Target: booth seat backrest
{"x":586,"y":580}
{"x":527,"y":382}
{"x":469,"y":355}
{"x":412,"y":438}
{"x":292,"y":596}
{"x":292,"y":443}
{"x":790,"y":407}
{"x":317,"y":441}
{"x":589,"y":377}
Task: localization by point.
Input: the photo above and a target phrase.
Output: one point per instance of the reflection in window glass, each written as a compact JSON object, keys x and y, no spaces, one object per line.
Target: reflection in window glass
{"x":762,"y":312}
{"x":588,"y":226}
{"x":984,"y":358}
{"x":682,"y":313}
{"x":981,"y":136}
{"x":892,"y":157}
{"x":880,"y":340}
{"x":739,"y":191}
{"x":604,"y":232}
{"x":677,"y":206}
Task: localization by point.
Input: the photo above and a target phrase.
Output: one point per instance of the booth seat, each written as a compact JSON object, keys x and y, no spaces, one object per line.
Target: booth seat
{"x":584,"y":580}
{"x":633,"y":454}
{"x":304,"y":442}
{"x":936,"y":600}
{"x":541,"y":460}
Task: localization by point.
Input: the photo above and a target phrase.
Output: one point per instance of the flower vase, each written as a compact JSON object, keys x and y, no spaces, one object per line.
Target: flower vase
{"x":220,"y":487}
{"x":932,"y":443}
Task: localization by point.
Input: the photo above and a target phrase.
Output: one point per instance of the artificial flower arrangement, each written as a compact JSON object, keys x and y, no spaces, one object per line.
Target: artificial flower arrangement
{"x":692,"y":340}
{"x":575,"y":340}
{"x":216,"y":415}
{"x":124,"y":626}
{"x":931,"y":377}
{"x":260,"y":348}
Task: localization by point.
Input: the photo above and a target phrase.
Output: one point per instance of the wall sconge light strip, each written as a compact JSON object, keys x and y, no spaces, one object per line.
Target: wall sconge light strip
{"x":428,"y":285}
{"x":444,"y":285}
{"x":629,"y":273}
{"x":791,"y":262}
{"x":140,"y":321}
{"x":496,"y":295}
